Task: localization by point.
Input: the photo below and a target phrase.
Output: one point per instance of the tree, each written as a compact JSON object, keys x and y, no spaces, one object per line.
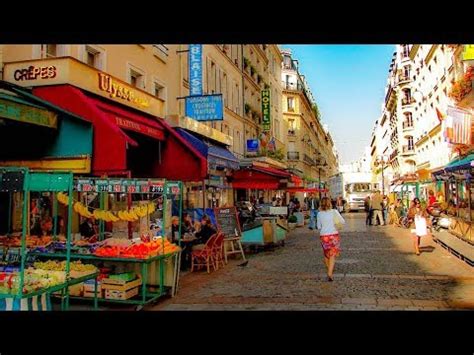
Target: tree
{"x":316,"y":112}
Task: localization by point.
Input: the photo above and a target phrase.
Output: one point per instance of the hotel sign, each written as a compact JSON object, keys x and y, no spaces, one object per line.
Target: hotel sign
{"x":266,"y":123}
{"x":70,"y":71}
{"x":27,"y":114}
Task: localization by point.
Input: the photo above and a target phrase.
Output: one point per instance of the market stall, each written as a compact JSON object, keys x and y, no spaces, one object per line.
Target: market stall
{"x":132,"y":248}
{"x":22,"y":280}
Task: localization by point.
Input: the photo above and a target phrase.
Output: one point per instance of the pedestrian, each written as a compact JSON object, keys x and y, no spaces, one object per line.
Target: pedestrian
{"x":377,"y":205}
{"x":421,"y":226}
{"x":339,"y":204}
{"x":368,"y":211}
{"x":385,"y":208}
{"x":327,"y":220}
{"x":313,"y":206}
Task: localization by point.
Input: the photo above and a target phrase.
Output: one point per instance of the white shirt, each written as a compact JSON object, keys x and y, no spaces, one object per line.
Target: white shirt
{"x":325,"y":221}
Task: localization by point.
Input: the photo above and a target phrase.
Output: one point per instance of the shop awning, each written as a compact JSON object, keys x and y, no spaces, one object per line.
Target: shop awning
{"x":459,"y":164}
{"x":303,"y":189}
{"x":257,"y":177}
{"x":295,"y":179}
{"x":178,"y":160}
{"x":216,"y":156}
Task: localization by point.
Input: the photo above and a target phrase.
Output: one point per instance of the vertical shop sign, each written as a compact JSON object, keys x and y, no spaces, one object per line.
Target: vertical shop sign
{"x":195,"y":69}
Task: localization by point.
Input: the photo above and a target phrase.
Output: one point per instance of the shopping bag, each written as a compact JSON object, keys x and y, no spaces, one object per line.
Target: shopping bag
{"x":336,"y":219}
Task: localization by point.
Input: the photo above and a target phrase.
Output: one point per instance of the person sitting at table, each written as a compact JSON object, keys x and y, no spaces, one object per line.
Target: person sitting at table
{"x":187,"y":226}
{"x":206,"y":231}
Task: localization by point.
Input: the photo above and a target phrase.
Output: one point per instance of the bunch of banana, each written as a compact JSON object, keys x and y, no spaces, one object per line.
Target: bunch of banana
{"x":62,"y":198}
{"x":129,"y":216}
{"x":141,"y":211}
{"x":82,"y":210}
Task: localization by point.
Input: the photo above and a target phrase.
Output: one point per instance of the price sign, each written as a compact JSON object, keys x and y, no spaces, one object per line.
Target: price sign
{"x":131,"y":188}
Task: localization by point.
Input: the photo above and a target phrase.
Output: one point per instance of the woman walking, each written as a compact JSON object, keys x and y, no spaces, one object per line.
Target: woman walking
{"x":329,"y":235}
{"x":421,"y":225}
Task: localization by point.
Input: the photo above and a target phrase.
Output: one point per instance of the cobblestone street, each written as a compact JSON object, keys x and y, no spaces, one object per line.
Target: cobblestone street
{"x":377,"y":270}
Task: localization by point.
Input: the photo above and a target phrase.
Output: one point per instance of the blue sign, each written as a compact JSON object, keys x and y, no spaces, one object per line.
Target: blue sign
{"x":195,"y":69}
{"x":205,"y":108}
{"x":252,"y":145}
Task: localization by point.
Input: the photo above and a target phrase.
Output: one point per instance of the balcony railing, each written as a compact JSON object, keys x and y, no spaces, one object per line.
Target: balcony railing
{"x":408,"y":149}
{"x":408,"y":101}
{"x":404,"y":78}
{"x":308,"y":159}
{"x":407,"y":124}
{"x":293,"y":155}
{"x":162,"y":48}
{"x":292,"y":132}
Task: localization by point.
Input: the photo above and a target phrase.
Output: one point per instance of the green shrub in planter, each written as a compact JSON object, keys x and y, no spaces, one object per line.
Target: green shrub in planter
{"x":292,"y":219}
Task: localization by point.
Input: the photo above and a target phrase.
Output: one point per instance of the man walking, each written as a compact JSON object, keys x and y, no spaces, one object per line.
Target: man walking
{"x":377,"y":203}
{"x":313,"y":206}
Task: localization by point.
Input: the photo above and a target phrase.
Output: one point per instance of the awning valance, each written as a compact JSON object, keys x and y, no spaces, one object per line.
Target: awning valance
{"x":216,"y":156}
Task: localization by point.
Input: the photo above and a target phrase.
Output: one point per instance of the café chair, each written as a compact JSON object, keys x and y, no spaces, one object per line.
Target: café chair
{"x":218,"y":250}
{"x":204,"y":256}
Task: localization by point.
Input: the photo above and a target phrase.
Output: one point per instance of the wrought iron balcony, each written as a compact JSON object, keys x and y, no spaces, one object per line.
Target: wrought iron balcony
{"x":293,"y":155}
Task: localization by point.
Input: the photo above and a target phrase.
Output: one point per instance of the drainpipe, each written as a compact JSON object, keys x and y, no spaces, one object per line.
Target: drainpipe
{"x":1,"y":61}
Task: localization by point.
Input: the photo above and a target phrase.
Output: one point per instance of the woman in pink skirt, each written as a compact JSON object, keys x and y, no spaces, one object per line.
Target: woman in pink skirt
{"x":329,"y":235}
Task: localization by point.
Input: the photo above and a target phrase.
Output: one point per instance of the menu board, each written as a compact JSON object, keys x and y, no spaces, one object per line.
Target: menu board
{"x":227,"y":221}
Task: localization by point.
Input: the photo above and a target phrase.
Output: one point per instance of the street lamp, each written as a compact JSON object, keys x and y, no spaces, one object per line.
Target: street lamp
{"x":321,"y":163}
{"x":382,"y":161}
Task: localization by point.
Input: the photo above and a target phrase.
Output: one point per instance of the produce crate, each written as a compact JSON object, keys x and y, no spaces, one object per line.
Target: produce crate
{"x":90,"y":284}
{"x":121,"y":295}
{"x":123,"y":278}
{"x":100,"y":293}
{"x":108,"y":284}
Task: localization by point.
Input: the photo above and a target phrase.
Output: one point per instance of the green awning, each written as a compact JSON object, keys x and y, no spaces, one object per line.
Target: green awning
{"x":458,"y":164}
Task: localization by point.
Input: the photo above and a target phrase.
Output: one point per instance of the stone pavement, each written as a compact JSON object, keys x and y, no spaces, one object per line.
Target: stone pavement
{"x":377,"y":270}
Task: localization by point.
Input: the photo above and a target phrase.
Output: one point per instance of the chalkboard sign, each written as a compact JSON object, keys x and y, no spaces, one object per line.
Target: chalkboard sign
{"x":227,"y":221}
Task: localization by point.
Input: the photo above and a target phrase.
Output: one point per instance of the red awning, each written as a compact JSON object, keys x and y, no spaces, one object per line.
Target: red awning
{"x":295,"y":179}
{"x":304,"y":189}
{"x":257,"y":177}
{"x":272,"y":171}
{"x":179,"y":160}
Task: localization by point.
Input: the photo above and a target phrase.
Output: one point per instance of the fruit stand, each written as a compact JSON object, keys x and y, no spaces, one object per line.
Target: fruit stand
{"x":21,"y":280}
{"x":137,"y":270}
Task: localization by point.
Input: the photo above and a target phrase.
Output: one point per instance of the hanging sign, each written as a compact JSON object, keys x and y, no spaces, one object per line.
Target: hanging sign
{"x":266,"y":123}
{"x":195,"y":69}
{"x":205,"y":107}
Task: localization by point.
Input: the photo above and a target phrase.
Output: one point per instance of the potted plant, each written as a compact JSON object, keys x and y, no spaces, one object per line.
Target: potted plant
{"x":252,"y":70}
{"x":246,"y":63}
{"x":292,"y":222}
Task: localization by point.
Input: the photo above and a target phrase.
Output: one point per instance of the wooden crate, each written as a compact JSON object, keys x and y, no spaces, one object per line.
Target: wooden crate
{"x":121,"y":295}
{"x":120,"y":287}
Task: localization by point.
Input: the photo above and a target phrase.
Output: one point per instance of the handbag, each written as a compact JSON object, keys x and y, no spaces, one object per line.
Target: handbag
{"x":336,"y":220}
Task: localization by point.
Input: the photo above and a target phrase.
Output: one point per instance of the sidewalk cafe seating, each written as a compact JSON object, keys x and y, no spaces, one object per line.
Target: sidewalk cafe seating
{"x":218,"y":250}
{"x":204,"y":256}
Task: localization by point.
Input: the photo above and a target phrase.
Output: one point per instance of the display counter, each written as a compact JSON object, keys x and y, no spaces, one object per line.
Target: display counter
{"x":265,"y":231}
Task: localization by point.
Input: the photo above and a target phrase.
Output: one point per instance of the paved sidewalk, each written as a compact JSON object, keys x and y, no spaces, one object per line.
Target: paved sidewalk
{"x":377,"y":270}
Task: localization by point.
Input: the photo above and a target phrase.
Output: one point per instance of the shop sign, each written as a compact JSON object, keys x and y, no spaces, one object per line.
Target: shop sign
{"x":27,"y":114}
{"x":70,"y":71}
{"x":266,"y":110}
{"x":468,"y":53}
{"x":202,"y":129}
{"x":121,"y":91}
{"x":138,"y":127}
{"x":34,"y":72}
{"x":252,"y":145}
{"x":205,"y":107}
{"x":172,"y":189}
{"x":119,"y":185}
{"x":195,"y":69}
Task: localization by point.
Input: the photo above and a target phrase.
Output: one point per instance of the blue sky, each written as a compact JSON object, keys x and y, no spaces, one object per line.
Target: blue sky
{"x":348,"y":83}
